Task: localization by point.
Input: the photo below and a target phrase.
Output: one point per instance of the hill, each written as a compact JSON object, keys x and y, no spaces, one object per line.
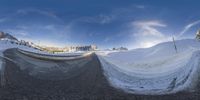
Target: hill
{"x":4,"y":35}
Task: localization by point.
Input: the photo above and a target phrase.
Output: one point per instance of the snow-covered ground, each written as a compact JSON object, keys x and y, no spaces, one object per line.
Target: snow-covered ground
{"x":1,"y":63}
{"x":6,"y":44}
{"x":155,"y":70}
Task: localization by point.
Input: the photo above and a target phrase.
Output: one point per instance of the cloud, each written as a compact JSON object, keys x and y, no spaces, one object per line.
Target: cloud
{"x":105,"y":19}
{"x":115,"y":14}
{"x":100,"y":19}
{"x":140,"y":6}
{"x":23,"y":33}
{"x":3,"y":20}
{"x":18,"y":32}
{"x":22,"y":27}
{"x":147,"y":28}
{"x":107,"y":39}
{"x":50,"y":27}
{"x":147,"y":34}
{"x":42,"y":12}
{"x":187,"y":27}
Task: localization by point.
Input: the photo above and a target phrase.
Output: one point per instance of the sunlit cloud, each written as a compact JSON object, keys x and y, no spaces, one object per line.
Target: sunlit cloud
{"x":187,"y":27}
{"x":147,"y":34}
{"x":148,"y":28}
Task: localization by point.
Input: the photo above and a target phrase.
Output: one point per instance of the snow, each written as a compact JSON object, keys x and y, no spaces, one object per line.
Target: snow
{"x":1,"y":62}
{"x":6,"y":44}
{"x":155,"y":70}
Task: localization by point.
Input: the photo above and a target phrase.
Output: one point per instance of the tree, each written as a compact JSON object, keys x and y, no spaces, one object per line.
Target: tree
{"x":198,"y":35}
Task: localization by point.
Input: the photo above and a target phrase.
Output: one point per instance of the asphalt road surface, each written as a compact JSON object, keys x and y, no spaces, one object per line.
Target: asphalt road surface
{"x":26,"y":78}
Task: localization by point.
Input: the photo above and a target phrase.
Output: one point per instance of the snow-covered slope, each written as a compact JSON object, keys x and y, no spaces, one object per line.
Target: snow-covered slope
{"x":7,"y":36}
{"x":155,"y":70}
{"x":6,"y":44}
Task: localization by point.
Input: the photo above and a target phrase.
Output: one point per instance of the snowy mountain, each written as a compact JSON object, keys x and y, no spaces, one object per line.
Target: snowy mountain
{"x":155,"y":70}
{"x":7,"y":36}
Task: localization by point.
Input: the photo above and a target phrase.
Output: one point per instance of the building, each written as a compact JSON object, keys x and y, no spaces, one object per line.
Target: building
{"x":80,"y":48}
{"x":93,"y":47}
{"x":120,"y":48}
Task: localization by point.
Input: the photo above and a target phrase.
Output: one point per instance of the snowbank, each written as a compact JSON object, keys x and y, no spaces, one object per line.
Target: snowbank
{"x":6,"y":44}
{"x":54,"y":57}
{"x":155,"y":70}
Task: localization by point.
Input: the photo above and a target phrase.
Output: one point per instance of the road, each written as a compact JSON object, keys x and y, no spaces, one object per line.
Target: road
{"x":29,"y":78}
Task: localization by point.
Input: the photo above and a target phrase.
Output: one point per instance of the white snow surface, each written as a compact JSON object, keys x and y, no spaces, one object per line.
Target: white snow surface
{"x":6,"y":44}
{"x":155,"y":70}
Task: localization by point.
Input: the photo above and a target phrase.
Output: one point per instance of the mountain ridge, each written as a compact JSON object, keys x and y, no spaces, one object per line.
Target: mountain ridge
{"x":4,"y":35}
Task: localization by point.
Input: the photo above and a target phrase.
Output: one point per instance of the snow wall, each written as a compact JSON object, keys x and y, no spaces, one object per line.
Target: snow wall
{"x":156,"y":70}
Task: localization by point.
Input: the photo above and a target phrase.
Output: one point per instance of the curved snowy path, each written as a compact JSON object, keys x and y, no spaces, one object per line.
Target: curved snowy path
{"x":27,"y":77}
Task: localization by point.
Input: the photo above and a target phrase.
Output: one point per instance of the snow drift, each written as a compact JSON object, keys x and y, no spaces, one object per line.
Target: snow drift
{"x":155,"y":70}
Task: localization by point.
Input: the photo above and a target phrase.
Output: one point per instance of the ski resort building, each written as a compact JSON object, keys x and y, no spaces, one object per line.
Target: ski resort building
{"x":80,"y":48}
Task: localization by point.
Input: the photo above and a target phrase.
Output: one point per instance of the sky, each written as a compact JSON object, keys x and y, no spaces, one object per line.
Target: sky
{"x":105,"y":23}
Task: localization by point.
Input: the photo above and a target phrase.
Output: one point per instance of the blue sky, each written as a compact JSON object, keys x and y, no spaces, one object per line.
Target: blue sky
{"x":106,"y":23}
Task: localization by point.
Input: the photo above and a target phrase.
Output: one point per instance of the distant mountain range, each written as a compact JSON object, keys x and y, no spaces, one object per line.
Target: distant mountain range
{"x":7,"y":36}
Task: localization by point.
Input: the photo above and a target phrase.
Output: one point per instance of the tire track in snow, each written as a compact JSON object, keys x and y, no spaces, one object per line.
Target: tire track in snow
{"x":2,"y":70}
{"x":181,"y":80}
